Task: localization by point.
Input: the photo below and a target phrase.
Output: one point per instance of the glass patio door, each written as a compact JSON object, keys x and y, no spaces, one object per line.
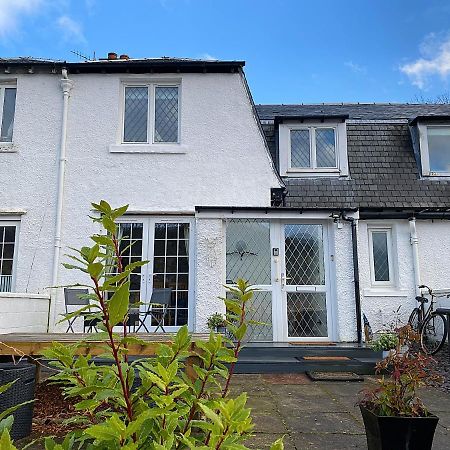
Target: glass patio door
{"x":166,"y":244}
{"x":304,"y":281}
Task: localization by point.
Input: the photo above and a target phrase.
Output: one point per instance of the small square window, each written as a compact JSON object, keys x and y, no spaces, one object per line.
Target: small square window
{"x":150,"y":114}
{"x":7,"y":111}
{"x":439,"y":149}
{"x":310,"y":149}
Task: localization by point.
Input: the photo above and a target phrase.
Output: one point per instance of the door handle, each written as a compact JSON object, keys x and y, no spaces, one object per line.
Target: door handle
{"x":284,"y":278}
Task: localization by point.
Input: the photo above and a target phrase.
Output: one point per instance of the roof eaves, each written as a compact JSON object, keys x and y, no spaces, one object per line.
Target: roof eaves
{"x":429,"y":118}
{"x":321,"y":117}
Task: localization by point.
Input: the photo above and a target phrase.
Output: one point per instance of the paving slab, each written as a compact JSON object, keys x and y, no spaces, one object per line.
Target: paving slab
{"x":328,"y":441}
{"x":341,"y":422}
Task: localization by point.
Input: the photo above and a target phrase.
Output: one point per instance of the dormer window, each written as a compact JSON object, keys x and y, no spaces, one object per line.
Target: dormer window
{"x":435,"y":149}
{"x":313,"y":149}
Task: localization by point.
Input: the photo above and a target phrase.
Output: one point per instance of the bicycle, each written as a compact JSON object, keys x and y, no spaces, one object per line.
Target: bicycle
{"x":431,"y":325}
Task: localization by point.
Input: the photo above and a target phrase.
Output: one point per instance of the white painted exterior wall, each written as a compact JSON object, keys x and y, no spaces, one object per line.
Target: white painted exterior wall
{"x":13,"y":318}
{"x":224,"y":161}
{"x":380,"y":304}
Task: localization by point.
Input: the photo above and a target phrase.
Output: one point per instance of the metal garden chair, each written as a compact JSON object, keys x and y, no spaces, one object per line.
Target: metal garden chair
{"x":75,"y":297}
{"x":157,"y":309}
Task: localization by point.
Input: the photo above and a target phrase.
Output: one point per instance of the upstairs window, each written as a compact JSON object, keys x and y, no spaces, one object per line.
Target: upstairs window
{"x":313,"y":149}
{"x":435,"y":149}
{"x":151,"y":114}
{"x":7,"y":110}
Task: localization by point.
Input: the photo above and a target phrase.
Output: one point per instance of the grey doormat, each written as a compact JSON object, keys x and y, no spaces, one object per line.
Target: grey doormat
{"x":334,"y":376}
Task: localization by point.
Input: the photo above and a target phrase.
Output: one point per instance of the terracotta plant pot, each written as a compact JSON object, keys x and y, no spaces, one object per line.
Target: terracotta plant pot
{"x":398,"y":433}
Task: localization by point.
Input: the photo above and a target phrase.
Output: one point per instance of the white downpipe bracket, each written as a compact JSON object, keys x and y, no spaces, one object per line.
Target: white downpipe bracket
{"x":415,"y":251}
{"x":66,"y":86}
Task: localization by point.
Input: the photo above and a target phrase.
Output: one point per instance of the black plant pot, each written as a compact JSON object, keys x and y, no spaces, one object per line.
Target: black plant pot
{"x":21,"y":391}
{"x":398,"y":433}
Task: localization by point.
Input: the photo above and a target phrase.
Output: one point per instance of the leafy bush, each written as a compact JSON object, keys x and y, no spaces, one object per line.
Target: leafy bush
{"x":166,"y":409}
{"x":386,"y":341}
{"x":215,"y":321}
{"x":404,"y":372}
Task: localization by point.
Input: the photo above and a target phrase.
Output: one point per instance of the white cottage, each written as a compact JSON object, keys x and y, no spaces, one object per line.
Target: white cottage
{"x":330,"y":210}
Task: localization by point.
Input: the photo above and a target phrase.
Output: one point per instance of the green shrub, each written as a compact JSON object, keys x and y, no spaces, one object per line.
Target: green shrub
{"x":168,"y":410}
{"x":386,"y":341}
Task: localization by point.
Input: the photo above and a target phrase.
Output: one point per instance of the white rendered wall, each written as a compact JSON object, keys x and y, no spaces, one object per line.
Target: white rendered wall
{"x":225,"y":162}
{"x":22,"y":313}
{"x":380,"y":304}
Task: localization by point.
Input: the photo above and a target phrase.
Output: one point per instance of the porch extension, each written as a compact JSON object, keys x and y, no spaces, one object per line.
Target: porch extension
{"x":294,"y":358}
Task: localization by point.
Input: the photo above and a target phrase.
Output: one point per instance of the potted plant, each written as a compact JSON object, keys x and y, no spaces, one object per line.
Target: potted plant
{"x":216,"y":322}
{"x":385,"y":342}
{"x":394,"y":416}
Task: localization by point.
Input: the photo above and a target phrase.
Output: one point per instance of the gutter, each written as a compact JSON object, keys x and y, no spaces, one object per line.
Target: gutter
{"x":354,"y":225}
{"x":66,"y":86}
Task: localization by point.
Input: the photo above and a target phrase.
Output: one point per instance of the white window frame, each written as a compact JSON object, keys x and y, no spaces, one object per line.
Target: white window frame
{"x":151,"y":86}
{"x":15,"y":223}
{"x":392,"y":282}
{"x":3,"y":85}
{"x":340,"y":133}
{"x":424,"y":152}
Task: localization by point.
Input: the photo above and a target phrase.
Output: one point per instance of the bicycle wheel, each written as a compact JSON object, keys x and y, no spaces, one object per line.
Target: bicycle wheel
{"x":414,"y":319}
{"x":433,"y":333}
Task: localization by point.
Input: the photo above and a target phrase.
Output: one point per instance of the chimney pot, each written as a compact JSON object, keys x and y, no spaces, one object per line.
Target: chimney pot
{"x":112,"y":55}
{"x":124,"y":56}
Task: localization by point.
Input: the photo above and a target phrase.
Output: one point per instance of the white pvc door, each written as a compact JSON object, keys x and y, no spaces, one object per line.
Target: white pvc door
{"x":304,"y":282}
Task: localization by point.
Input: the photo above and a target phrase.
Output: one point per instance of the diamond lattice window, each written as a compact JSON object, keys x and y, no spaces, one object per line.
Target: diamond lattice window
{"x":304,"y":254}
{"x":166,"y":114}
{"x":7,"y":111}
{"x":307,"y":314}
{"x":248,"y":251}
{"x":136,"y":114}
{"x":300,"y":148}
{"x":325,"y":147}
{"x":380,"y":249}
{"x":259,"y":309}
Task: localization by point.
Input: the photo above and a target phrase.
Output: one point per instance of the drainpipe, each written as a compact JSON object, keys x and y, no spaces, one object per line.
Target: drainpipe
{"x":66,"y":86}
{"x":354,"y":225}
{"x":415,"y":251}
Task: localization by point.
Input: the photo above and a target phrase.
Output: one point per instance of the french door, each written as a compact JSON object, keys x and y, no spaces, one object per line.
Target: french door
{"x":168,"y":246}
{"x":303,"y":282}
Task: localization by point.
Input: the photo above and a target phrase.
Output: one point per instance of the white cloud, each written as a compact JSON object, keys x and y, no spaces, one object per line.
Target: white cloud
{"x":434,"y":60}
{"x":12,"y":12}
{"x":207,"y":57}
{"x":72,"y":30}
{"x":355,"y":67}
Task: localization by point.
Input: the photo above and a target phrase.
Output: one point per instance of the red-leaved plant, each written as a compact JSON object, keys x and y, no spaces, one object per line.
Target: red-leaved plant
{"x":403,"y":373}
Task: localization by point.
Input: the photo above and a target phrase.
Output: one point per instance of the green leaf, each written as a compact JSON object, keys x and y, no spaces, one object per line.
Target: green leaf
{"x":10,"y":410}
{"x":118,"y":305}
{"x":277,"y":445}
{"x":95,"y":269}
{"x":6,"y":423}
{"x":6,"y":442}
{"x":240,"y":332}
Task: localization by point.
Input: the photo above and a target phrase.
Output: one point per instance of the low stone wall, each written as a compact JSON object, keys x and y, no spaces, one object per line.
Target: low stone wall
{"x":23,"y":313}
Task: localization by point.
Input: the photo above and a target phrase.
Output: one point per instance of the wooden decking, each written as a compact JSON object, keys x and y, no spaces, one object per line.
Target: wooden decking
{"x":32,"y":344}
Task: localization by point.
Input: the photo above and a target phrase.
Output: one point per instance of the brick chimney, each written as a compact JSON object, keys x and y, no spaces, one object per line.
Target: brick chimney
{"x":112,"y":55}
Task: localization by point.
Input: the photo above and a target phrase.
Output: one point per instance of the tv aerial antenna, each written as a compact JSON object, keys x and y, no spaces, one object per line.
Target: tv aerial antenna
{"x":81,"y":56}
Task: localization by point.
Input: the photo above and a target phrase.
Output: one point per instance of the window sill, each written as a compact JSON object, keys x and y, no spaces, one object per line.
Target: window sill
{"x":7,"y":147}
{"x":311,"y":174}
{"x":176,"y":149}
{"x":385,"y":291}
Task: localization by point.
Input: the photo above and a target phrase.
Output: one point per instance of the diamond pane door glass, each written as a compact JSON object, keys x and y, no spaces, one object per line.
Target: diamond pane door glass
{"x":304,"y":254}
{"x":7,"y":122}
{"x":439,"y":148}
{"x":259,"y":309}
{"x":248,"y":251}
{"x":7,"y":242}
{"x":136,"y":114}
{"x":166,"y":114}
{"x":171,"y":269}
{"x":131,"y":248}
{"x":307,"y":314}
{"x":380,"y":255}
{"x":300,"y":148}
{"x":325,"y":147}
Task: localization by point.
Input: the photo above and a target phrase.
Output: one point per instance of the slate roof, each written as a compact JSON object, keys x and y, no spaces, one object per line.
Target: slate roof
{"x":383,"y":169}
{"x":366,"y":111}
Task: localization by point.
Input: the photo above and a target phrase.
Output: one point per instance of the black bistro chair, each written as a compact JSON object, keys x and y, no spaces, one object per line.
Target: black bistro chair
{"x":157,"y":309}
{"x":75,"y":297}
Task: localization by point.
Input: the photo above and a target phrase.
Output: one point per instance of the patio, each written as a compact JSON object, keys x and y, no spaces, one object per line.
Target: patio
{"x":319,"y":415}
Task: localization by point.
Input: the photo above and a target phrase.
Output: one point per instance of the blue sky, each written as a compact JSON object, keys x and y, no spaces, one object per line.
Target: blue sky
{"x":296,"y":51}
